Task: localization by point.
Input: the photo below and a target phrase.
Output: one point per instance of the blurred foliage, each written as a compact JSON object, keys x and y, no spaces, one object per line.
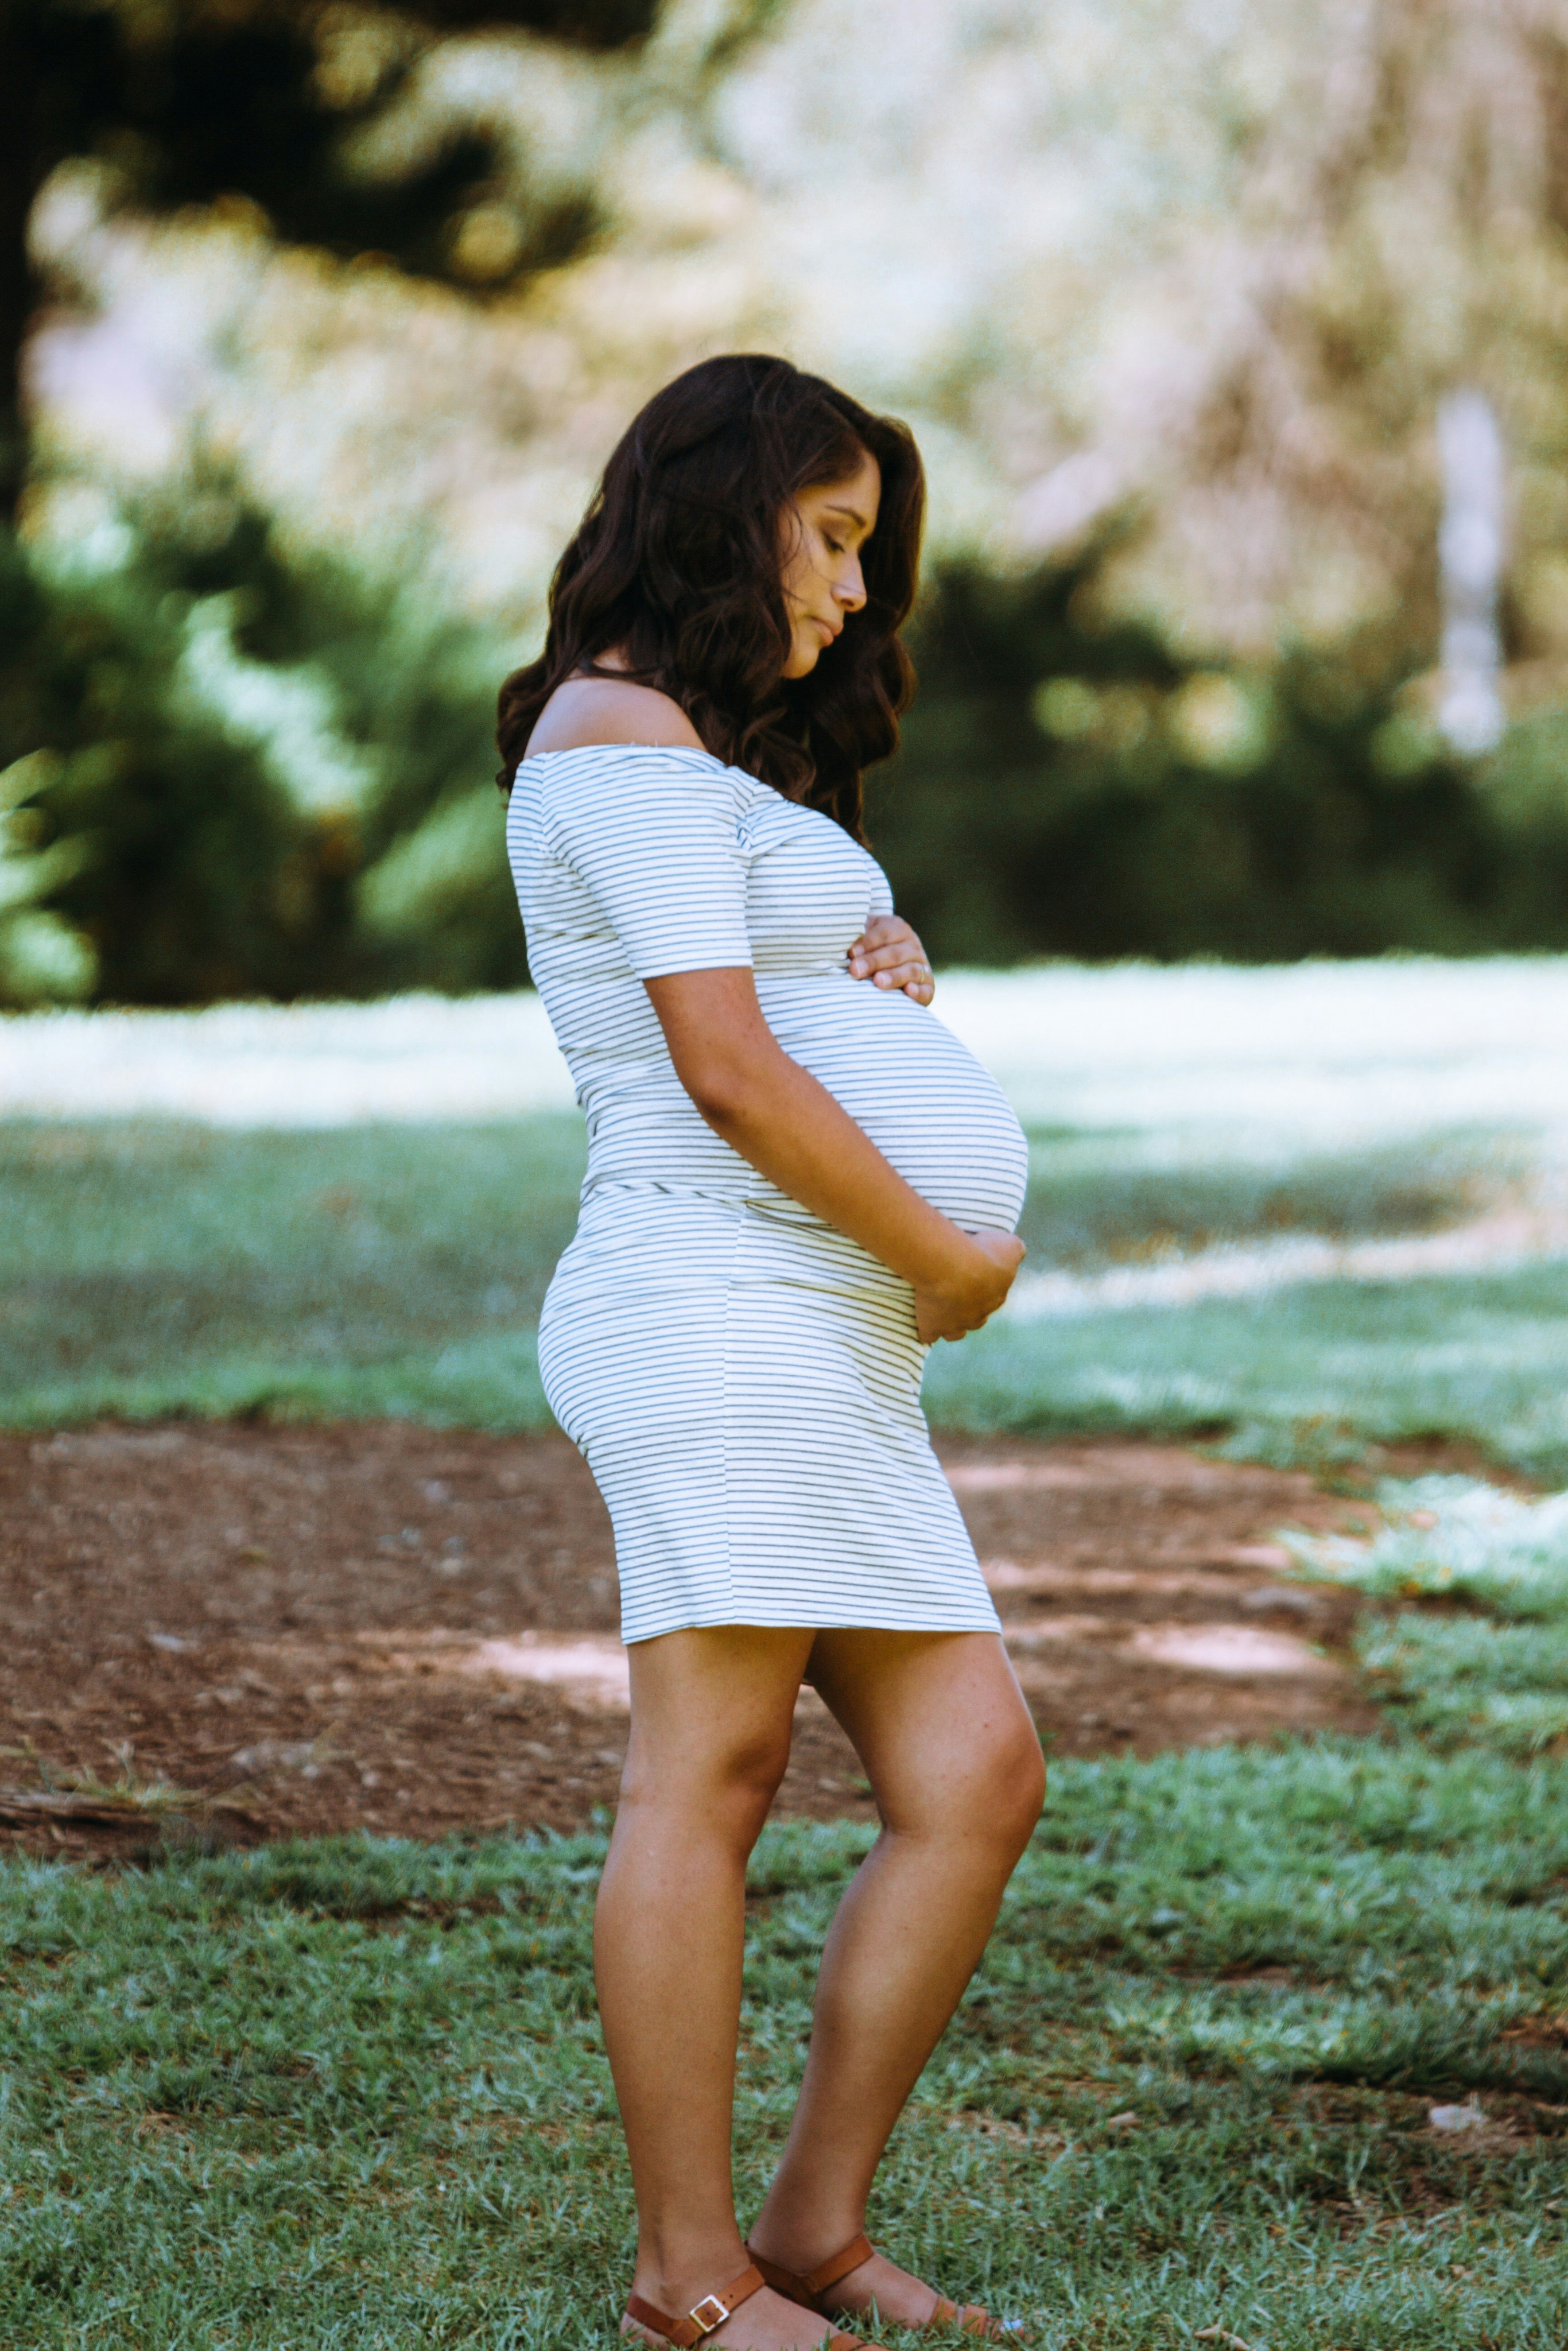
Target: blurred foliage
{"x":230,"y":770}
{"x":268,"y":103}
{"x":242,"y":752}
{"x":1070,"y":788}
{"x":243,"y":776}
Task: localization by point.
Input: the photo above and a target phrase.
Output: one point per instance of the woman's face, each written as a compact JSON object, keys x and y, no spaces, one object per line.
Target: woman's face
{"x":824,"y":530}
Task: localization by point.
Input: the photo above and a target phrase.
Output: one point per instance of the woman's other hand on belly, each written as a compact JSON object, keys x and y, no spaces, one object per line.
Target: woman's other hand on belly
{"x":889,"y":953}
{"x":977,"y":1288}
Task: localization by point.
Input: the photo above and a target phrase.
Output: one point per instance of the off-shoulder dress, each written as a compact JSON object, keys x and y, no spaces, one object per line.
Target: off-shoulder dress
{"x":744,"y":1379}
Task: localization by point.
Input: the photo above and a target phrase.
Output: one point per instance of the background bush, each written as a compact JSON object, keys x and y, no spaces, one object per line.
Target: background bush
{"x":254,"y":774}
{"x":277,"y":775}
{"x":1069,"y":790}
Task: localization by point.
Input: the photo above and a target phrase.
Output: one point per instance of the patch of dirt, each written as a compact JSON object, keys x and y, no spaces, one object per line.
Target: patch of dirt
{"x":315,"y":1629}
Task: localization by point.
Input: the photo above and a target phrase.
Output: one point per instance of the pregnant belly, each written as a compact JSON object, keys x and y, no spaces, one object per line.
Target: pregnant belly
{"x":925,"y":1101}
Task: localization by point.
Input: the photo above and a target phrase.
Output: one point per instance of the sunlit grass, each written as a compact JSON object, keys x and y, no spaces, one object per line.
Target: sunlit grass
{"x":1463,"y":1681}
{"x":1308,"y":1375}
{"x":1311,"y":1056}
{"x":1452,"y":1538}
{"x":355,"y":2093}
{"x":1453,"y":1543}
{"x":342,"y":1219}
{"x":155,"y":1267}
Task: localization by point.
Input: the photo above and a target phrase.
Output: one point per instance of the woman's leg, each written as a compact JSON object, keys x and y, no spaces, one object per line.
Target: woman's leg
{"x":711,"y":1715}
{"x":953,"y":1758}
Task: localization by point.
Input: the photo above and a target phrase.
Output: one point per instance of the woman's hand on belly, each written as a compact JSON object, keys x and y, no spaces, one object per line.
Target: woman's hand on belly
{"x":776,"y":1114}
{"x":889,"y":953}
{"x":978,"y":1286}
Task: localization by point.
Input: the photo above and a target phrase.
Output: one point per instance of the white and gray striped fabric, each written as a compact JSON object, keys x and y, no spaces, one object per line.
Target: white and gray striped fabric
{"x":743,"y":1380}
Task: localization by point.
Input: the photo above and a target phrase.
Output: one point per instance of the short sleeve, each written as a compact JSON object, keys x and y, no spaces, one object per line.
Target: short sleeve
{"x":653,"y":835}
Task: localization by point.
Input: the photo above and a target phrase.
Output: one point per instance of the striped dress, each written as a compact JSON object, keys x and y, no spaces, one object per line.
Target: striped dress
{"x":743,"y":1380}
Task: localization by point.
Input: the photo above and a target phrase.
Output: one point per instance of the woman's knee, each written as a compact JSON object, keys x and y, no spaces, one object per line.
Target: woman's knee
{"x":726,"y":1779}
{"x":1010,"y":1788}
{"x":987,"y":1799}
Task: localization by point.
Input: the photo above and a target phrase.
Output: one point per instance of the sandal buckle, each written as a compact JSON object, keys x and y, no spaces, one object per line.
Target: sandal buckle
{"x":698,"y":2312}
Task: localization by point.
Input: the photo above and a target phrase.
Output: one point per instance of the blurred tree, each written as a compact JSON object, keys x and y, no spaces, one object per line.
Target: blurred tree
{"x":208,"y":754}
{"x":1068,"y":787}
{"x":237,"y":748}
{"x":191,"y":102}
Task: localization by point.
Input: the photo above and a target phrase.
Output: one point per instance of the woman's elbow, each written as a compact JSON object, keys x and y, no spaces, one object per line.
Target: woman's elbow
{"x":720,"y":1094}
{"x":721,"y":1087}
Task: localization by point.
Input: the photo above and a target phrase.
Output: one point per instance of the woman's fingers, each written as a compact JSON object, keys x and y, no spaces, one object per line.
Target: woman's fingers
{"x":889,"y":953}
{"x":914,"y":978}
{"x":949,"y":1315}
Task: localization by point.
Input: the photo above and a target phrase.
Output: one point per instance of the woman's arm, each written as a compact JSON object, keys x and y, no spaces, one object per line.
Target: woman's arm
{"x":777,"y":1116}
{"x":765,"y":1105}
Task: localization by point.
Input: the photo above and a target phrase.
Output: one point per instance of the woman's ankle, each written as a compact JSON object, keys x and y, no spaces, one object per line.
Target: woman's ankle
{"x":801,"y":2237}
{"x":676,"y":2274}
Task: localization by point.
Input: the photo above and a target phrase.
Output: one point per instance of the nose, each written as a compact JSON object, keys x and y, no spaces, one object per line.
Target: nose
{"x":850,"y":587}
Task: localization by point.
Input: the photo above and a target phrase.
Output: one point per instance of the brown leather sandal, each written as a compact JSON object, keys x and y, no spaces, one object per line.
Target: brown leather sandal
{"x":712,"y":2311}
{"x":813,"y":2288}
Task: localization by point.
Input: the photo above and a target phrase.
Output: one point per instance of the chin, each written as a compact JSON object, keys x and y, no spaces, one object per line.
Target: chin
{"x":803,"y":659}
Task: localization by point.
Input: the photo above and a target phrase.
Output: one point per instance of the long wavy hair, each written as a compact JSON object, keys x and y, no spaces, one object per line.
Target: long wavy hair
{"x":677,"y":567}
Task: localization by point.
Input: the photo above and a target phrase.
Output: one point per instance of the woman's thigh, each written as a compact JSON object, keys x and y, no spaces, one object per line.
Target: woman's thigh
{"x":712,"y":1705}
{"x":940,"y":1723}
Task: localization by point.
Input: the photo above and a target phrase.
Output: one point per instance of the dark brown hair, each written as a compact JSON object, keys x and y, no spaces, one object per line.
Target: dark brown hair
{"x":676,"y":564}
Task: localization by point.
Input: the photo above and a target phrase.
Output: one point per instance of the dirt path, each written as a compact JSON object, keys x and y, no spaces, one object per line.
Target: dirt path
{"x":320,"y":1628}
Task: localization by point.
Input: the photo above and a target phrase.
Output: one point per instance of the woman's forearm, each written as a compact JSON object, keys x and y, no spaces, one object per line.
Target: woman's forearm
{"x":792,"y":1131}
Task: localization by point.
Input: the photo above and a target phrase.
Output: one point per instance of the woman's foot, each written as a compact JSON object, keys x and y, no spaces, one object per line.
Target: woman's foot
{"x":899,"y":2298}
{"x":902,"y":2299}
{"x":766,"y":2321}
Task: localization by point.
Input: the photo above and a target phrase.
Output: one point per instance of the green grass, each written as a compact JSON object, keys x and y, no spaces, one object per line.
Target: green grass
{"x":1305,"y":1374}
{"x":354,"y":2094}
{"x":1099,"y":1198}
{"x":1460,"y":1679}
{"x":1452,"y":1538}
{"x":153,"y":1267}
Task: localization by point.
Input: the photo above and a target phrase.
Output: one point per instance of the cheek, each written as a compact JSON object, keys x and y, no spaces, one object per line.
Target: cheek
{"x":804,"y":569}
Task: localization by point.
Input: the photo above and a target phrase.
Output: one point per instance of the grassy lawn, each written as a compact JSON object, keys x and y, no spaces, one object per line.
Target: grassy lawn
{"x":1304,"y":1375}
{"x":1472,"y":1555}
{"x":354,"y":2094}
{"x":154,"y":1267}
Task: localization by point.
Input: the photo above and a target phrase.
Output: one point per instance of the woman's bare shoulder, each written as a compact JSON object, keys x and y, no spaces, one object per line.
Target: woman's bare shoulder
{"x":587,"y":710}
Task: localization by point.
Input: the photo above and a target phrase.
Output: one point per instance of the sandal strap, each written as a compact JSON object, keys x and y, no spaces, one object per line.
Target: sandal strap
{"x":826,"y":2273}
{"x":810,"y":2287}
{"x":703,"y":2316}
{"x":806,"y":2285}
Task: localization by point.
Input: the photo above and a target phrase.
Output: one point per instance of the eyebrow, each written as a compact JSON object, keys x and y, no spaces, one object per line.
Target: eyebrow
{"x":854,"y":515}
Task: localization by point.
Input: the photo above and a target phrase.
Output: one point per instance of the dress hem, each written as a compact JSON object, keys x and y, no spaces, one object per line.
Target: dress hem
{"x":807,"y":1625}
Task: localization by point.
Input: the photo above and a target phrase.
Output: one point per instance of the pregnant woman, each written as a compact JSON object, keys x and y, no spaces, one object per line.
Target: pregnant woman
{"x":797,"y":1180}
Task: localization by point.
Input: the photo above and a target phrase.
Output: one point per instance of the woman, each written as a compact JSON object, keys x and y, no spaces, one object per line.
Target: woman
{"x":798,"y":1179}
